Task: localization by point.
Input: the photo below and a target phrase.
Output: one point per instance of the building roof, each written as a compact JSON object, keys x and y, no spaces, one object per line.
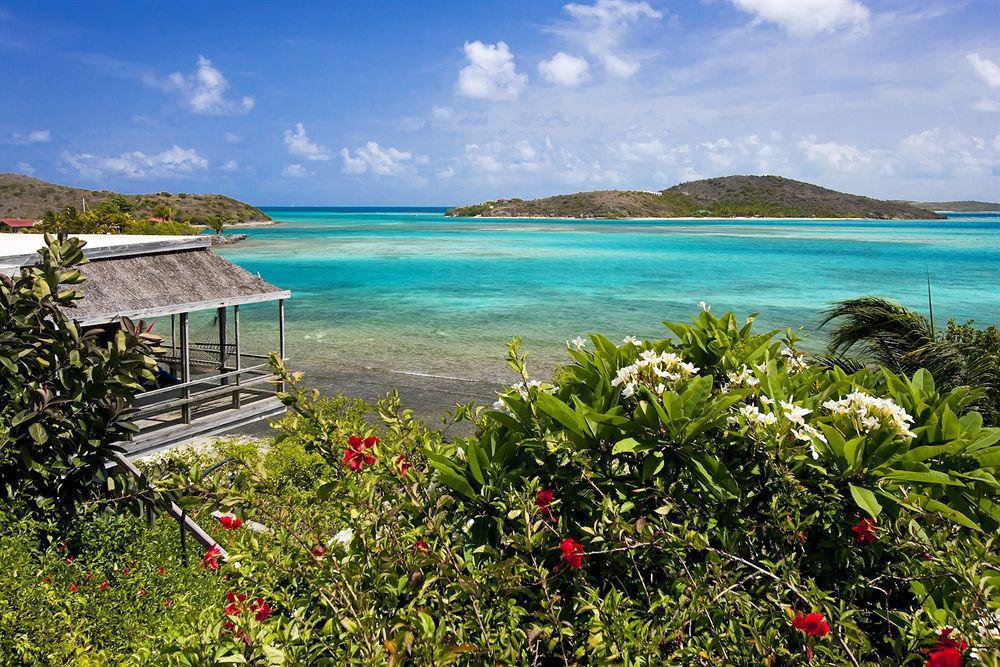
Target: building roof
{"x":149,"y":276}
{"x":19,"y":222}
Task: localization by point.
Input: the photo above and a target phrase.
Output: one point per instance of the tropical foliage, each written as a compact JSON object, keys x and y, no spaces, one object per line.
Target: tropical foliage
{"x":114,"y":215}
{"x":888,"y":334}
{"x":66,"y":396}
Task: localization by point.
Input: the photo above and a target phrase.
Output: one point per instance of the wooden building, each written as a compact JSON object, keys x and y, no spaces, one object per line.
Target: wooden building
{"x":208,"y":384}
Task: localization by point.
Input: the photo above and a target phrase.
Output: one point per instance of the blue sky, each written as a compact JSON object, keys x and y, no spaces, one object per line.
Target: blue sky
{"x":429,"y":103}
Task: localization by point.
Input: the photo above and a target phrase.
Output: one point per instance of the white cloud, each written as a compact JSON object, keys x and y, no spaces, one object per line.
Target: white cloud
{"x":230,"y":165}
{"x":491,"y":73}
{"x":295,"y":171}
{"x":173,"y":162}
{"x":988,"y":70}
{"x":839,"y":157}
{"x":805,"y":18}
{"x":33,"y":137}
{"x":948,"y":153}
{"x":442,"y":114}
{"x":564,"y":70}
{"x":446,"y":173}
{"x":381,"y":161}
{"x":602,"y":27}
{"x":298,"y":143}
{"x":204,"y":91}
{"x":25,"y":168}
{"x":232,"y":137}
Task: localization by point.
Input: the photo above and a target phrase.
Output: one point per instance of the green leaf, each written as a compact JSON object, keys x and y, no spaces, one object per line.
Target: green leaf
{"x":473,"y":458}
{"x":453,"y":480}
{"x":37,"y":433}
{"x":866,"y":500}
{"x":559,"y":411}
{"x":626,"y":445}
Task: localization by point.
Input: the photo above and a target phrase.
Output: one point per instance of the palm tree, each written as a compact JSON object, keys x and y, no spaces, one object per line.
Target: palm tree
{"x":216,"y":223}
{"x":902,"y":340}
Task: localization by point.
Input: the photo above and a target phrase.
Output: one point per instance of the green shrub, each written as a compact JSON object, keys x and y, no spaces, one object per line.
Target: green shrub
{"x":66,"y":397}
{"x":686,"y":500}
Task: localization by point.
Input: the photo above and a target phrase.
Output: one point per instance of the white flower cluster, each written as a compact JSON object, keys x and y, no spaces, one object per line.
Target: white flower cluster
{"x":794,"y":416}
{"x":988,"y":629}
{"x":658,"y":372}
{"x":871,"y":414}
{"x":741,"y":378}
{"x":522,"y":390}
{"x":793,"y":360}
{"x":631,"y":340}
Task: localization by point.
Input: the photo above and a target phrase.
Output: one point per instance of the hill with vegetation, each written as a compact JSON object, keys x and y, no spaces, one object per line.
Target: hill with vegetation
{"x":725,"y":197}
{"x":965,"y":206}
{"x":26,"y":197}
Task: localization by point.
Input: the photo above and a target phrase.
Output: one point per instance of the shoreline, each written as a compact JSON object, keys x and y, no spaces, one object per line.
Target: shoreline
{"x":689,"y":219}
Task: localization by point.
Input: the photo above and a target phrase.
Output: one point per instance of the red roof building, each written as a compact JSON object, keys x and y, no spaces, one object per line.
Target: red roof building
{"x":18,"y":223}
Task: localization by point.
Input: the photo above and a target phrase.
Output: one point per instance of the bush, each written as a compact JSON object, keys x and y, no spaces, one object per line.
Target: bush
{"x":710,"y":498}
{"x":66,"y":397}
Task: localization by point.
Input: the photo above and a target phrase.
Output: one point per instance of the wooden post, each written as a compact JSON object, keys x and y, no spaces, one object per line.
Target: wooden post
{"x":281,"y":336}
{"x":222,"y":342}
{"x":173,"y":336}
{"x":237,"y":399}
{"x":185,"y":368}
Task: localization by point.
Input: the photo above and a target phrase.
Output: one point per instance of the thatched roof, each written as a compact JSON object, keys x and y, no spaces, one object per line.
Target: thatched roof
{"x":144,"y":277}
{"x":161,"y":284}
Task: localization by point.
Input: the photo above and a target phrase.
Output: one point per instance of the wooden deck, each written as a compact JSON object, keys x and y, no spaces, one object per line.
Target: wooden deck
{"x":207,"y":405}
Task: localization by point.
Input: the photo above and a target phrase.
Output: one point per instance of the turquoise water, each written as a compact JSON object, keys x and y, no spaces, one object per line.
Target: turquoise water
{"x":411,"y":290}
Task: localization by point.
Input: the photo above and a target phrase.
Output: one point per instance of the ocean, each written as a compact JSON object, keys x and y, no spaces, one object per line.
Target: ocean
{"x":407,"y":289}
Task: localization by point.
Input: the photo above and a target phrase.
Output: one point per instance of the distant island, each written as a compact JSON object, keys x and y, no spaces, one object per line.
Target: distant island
{"x":725,"y":197}
{"x":966,"y":206}
{"x":26,"y":197}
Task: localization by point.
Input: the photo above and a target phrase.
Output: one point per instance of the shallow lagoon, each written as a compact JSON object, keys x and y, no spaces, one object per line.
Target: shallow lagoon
{"x":411,"y":290}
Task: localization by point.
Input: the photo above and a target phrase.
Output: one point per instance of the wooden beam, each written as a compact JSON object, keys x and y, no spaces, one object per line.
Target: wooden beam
{"x":190,"y":307}
{"x":221,"y":315}
{"x":185,"y":367}
{"x":206,"y":380}
{"x":239,"y":363}
{"x":187,"y":523}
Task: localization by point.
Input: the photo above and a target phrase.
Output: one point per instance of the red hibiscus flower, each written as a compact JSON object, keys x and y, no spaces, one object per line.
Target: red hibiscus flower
{"x":543,"y":500}
{"x":160,"y":571}
{"x":261,"y":609}
{"x":125,"y":572}
{"x":72,"y":588}
{"x":812,"y":624}
{"x":47,"y":580}
{"x":572,"y":552}
{"x":62,"y":547}
{"x":357,"y":454}
{"x":168,"y":602}
{"x":865,"y":531}
{"x":104,"y":585}
{"x":69,"y":561}
{"x":420,"y":546}
{"x":319,"y":551}
{"x":142,"y":592}
{"x":947,"y":652}
{"x":211,"y":558}
{"x":403,"y":464}
{"x":229,"y":522}
{"x":235,"y":603}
